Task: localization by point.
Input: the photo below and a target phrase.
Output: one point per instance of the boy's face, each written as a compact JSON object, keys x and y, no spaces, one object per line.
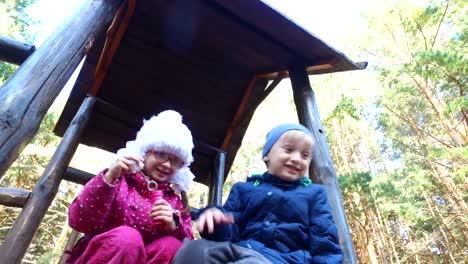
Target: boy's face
{"x":290,"y":156}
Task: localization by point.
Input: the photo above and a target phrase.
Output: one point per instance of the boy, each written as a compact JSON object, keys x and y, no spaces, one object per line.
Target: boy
{"x":280,"y":214}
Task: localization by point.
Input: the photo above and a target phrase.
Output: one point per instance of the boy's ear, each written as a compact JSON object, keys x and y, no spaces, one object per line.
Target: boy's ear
{"x":266,"y":158}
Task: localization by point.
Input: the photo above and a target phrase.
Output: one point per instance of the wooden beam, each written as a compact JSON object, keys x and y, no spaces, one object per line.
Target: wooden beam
{"x":264,"y":95}
{"x":215,"y":194}
{"x":13,"y":51}
{"x":69,"y":246}
{"x":322,"y":169}
{"x":238,"y":115}
{"x":21,"y":234}
{"x":77,"y":176}
{"x":321,"y":67}
{"x":114,"y":35}
{"x":13,"y":197}
{"x":29,"y":93}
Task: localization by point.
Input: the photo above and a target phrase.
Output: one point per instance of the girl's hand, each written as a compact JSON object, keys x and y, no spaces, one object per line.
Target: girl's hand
{"x":162,"y":212}
{"x":122,"y":165}
{"x":213,"y":216}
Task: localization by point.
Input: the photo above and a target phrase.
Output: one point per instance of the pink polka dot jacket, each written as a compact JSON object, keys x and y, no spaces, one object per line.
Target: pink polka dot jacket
{"x":101,"y":207}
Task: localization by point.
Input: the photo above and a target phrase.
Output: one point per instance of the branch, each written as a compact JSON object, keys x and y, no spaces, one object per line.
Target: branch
{"x":423,"y":156}
{"x":461,"y":90}
{"x":422,"y":33}
{"x":440,"y":23}
{"x":417,"y":127}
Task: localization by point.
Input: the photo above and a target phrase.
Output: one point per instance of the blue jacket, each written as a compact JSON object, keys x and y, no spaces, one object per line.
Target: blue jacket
{"x":287,"y":222}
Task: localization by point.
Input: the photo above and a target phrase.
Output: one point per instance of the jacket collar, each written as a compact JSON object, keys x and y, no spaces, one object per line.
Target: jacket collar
{"x":275,"y":180}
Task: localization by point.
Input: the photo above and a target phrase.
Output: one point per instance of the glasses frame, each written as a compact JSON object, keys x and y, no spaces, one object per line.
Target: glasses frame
{"x":175,"y":161}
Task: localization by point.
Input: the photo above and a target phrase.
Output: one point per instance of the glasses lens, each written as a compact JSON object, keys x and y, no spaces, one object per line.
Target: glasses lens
{"x":175,"y":161}
{"x":178,"y":163}
{"x":162,"y":156}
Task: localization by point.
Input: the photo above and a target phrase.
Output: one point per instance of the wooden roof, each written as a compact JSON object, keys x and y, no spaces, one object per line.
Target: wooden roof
{"x":198,"y":58}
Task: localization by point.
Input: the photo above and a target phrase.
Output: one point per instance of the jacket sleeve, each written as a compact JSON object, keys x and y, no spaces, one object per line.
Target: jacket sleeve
{"x":184,"y":229}
{"x":89,"y":210}
{"x":324,"y":243}
{"x":233,"y":205}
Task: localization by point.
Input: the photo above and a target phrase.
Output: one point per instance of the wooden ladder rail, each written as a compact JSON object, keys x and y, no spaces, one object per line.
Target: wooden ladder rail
{"x":21,"y":234}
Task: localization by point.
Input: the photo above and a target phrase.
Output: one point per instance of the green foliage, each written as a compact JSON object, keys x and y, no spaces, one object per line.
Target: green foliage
{"x":344,"y":108}
{"x":18,"y":20}
{"x":355,"y":183}
{"x":423,"y":120}
{"x":6,"y":70}
{"x":24,"y":173}
{"x":15,"y":24}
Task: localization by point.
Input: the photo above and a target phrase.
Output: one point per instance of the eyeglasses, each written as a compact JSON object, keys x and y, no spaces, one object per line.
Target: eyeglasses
{"x":164,"y":156}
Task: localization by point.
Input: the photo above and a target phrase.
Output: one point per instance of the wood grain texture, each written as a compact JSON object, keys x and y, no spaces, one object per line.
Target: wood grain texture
{"x":322,"y":168}
{"x":13,"y":51}
{"x":21,"y":234}
{"x":29,"y":93}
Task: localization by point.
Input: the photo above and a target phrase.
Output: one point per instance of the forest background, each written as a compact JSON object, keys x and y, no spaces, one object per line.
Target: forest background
{"x":397,"y":132}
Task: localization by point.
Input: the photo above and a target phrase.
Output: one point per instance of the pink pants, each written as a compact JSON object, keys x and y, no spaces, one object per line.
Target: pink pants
{"x":125,"y":245}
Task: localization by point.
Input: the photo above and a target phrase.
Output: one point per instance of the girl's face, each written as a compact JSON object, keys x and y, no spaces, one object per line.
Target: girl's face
{"x":289,"y":158}
{"x":161,"y":166}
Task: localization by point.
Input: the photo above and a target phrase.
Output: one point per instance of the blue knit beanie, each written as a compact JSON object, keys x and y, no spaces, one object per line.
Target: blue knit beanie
{"x":276,"y":133}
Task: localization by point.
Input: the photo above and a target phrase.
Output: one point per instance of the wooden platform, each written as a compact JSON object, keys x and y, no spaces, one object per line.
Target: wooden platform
{"x":198,"y":58}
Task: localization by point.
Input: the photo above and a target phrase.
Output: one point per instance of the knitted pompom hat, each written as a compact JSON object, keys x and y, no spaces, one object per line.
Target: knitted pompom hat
{"x":165,"y":132}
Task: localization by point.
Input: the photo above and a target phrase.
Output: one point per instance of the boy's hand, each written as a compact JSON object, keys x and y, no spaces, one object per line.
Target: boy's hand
{"x":213,"y":216}
{"x":122,"y":165}
{"x":162,"y":212}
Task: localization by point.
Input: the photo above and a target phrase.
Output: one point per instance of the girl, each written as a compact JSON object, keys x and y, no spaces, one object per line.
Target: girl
{"x":129,"y":212}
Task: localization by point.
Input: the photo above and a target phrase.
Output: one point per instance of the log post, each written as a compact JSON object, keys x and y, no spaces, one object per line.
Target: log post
{"x":21,"y":234}
{"x":322,"y":168}
{"x":77,"y":176}
{"x":29,"y":93}
{"x":13,"y":197}
{"x":217,"y":180}
{"x":13,"y":51}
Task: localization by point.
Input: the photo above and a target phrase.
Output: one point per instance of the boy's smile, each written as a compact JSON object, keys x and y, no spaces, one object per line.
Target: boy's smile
{"x":290,"y":156}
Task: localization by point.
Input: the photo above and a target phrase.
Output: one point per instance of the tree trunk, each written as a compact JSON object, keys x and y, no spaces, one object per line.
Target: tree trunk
{"x":451,"y":188}
{"x":439,"y":108}
{"x":341,"y":149}
{"x":389,"y":234}
{"x":447,"y":242}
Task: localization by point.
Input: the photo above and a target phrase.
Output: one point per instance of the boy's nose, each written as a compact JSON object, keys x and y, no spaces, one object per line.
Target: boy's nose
{"x":294,"y":156}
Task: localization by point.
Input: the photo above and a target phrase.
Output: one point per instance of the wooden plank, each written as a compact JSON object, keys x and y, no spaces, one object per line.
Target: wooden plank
{"x":21,"y":234}
{"x":13,"y":51}
{"x":322,"y":168}
{"x":211,"y":33}
{"x":283,"y":31}
{"x":27,"y":96}
{"x":13,"y":197}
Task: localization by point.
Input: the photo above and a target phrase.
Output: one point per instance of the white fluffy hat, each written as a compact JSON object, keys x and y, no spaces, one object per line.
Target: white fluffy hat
{"x":165,"y":132}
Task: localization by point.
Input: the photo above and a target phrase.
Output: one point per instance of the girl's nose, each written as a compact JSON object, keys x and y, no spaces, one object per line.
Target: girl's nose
{"x":167,"y":163}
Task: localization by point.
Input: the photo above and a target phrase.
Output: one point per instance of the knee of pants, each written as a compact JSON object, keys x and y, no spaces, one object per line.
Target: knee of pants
{"x":193,"y":251}
{"x":125,"y":236}
{"x":168,"y":244}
